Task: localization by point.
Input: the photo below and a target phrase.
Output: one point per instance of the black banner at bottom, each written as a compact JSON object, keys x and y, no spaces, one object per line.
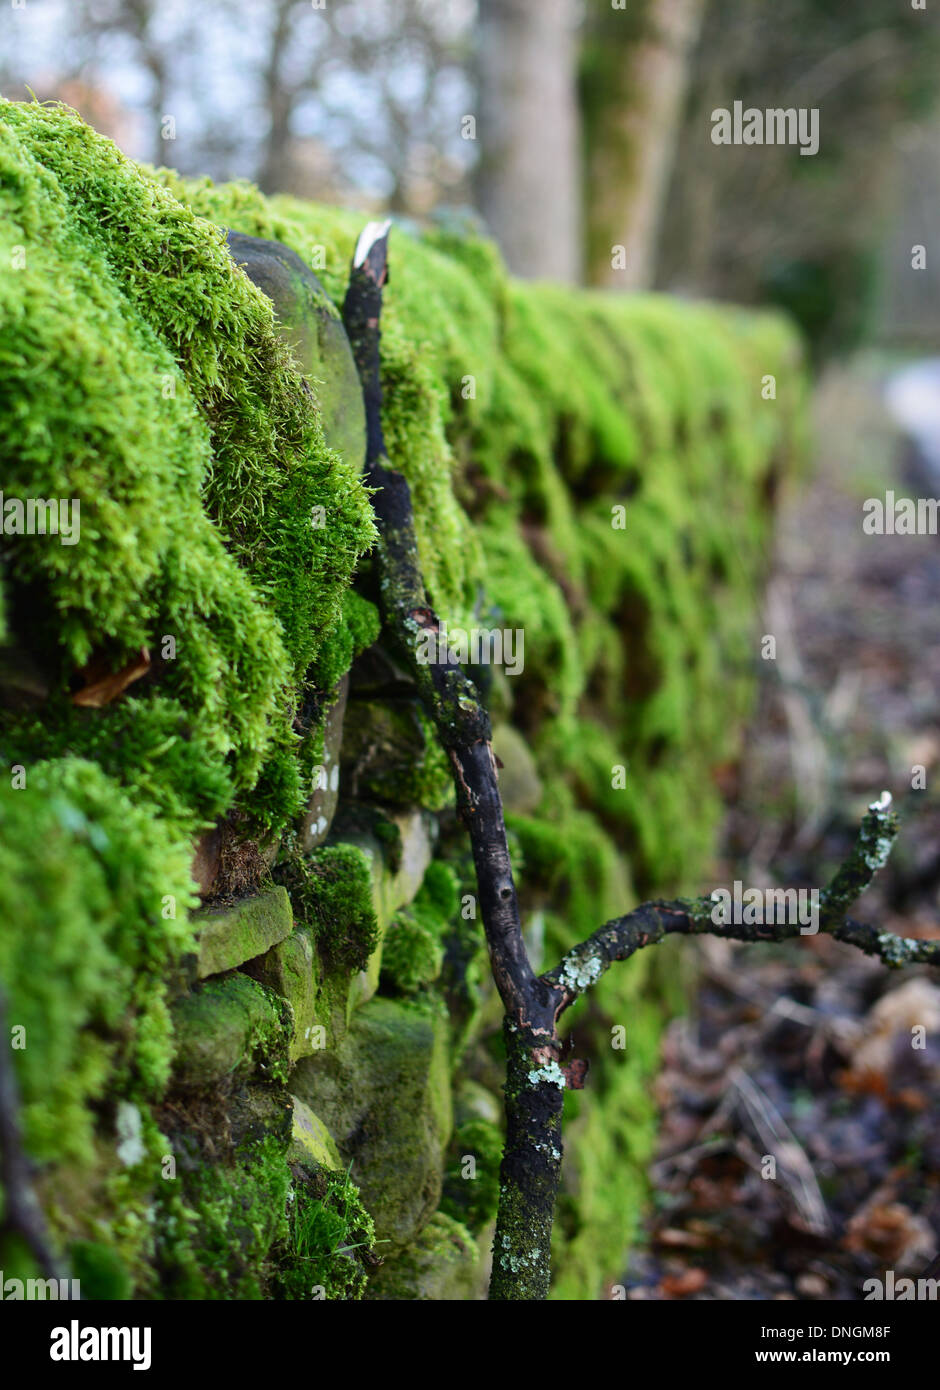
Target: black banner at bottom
{"x":69,"y":1339}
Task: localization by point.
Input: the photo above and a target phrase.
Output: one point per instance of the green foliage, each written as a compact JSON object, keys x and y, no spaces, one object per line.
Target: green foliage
{"x":330,"y":1234}
{"x":87,"y":874}
{"x":331,"y":892}
{"x":412,"y":953}
{"x":147,"y":746}
{"x":100,"y":1273}
{"x":141,"y":374}
{"x":438,"y":894}
{"x":413,"y":947}
{"x":358,"y":629}
{"x":473,"y":1200}
{"x":214,"y":1237}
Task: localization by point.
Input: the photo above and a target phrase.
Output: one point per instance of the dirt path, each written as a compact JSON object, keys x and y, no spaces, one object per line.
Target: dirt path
{"x":800,"y":1127}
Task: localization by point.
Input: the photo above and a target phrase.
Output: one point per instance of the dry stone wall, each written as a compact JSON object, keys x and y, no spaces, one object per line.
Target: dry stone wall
{"x":255,"y":1042}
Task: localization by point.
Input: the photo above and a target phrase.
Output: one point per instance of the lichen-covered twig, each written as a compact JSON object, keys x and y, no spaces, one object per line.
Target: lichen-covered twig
{"x":653,"y":922}
{"x":535,"y":1078}
{"x":532,"y":1154}
{"x":22,"y":1214}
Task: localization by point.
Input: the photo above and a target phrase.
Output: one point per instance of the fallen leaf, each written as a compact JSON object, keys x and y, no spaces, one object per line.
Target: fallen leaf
{"x":102,"y":686}
{"x":673,"y":1236}
{"x":892,"y":1232}
{"x":680,"y":1285}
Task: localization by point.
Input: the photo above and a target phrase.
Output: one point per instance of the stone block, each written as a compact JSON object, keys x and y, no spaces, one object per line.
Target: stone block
{"x":311,"y":1141}
{"x":231,"y":935}
{"x":384,"y":1093}
{"x":229,"y":1028}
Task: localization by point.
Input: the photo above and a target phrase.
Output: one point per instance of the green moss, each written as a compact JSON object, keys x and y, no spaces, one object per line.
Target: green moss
{"x":174,"y":415}
{"x":312,"y":1145}
{"x":593,"y":470}
{"x":232,"y":935}
{"x":569,"y":866}
{"x":442,"y":1264}
{"x":230,"y":1027}
{"x":98,"y":890}
{"x":412,"y":955}
{"x":471,"y":1192}
{"x":330,"y":1240}
{"x":388,"y":834}
{"x":413,"y":946}
{"x":610,"y":1135}
{"x":391,"y":754}
{"x":331,"y":893}
{"x":358,"y":629}
{"x":439,"y":893}
{"x":291,"y":971}
{"x":437,"y":331}
{"x":384,"y":1093}
{"x":146,"y":747}
{"x":217,"y":1231}
{"x":99,"y":1271}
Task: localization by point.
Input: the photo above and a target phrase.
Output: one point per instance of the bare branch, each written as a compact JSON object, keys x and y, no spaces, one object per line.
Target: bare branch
{"x":653,"y":922}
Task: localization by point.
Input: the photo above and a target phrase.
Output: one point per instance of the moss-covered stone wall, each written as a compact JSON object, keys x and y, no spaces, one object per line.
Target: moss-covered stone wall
{"x":256,"y":1044}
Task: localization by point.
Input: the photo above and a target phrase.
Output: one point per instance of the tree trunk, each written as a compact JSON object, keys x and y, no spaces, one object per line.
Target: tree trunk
{"x":529,"y":172}
{"x":633,"y":82}
{"x":275,"y":163}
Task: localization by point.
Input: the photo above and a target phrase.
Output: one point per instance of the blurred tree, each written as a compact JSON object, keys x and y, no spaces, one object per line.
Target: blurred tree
{"x":372,"y":101}
{"x":634,"y":73}
{"x":154,"y":44}
{"x":529,"y":169}
{"x":280,"y":98}
{"x":352,"y":98}
{"x":381,"y":81}
{"x":762,"y":222}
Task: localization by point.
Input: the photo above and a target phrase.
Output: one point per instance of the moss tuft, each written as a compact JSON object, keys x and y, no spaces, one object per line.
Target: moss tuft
{"x":145,"y":379}
{"x":413,"y":947}
{"x":330,"y":1241}
{"x":217,"y":1232}
{"x":331,"y":893}
{"x":98,"y":888}
{"x":99,"y":1271}
{"x":471,"y":1194}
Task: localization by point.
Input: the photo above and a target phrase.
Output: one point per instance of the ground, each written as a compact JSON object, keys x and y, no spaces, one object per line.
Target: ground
{"x":805,"y":1052}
